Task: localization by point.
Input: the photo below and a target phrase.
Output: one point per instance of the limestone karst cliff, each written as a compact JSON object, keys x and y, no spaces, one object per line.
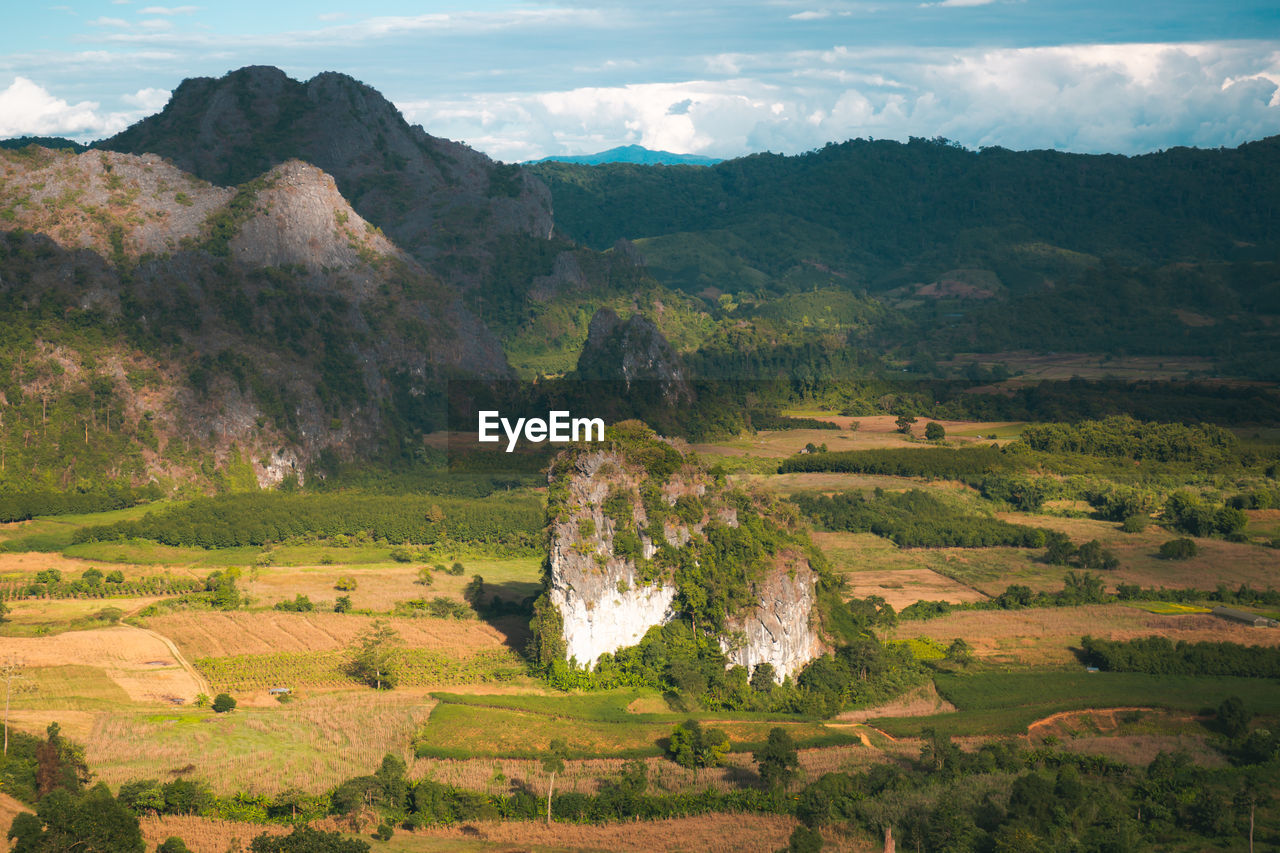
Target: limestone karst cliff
{"x":642,"y":535}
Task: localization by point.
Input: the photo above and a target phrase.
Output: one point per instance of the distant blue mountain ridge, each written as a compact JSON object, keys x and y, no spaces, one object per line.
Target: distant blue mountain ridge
{"x":634,"y":154}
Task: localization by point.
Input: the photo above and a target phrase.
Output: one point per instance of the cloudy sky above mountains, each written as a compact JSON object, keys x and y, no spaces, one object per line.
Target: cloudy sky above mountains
{"x":524,"y":80}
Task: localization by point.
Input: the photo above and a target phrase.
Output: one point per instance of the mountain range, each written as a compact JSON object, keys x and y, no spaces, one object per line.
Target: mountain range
{"x":272,"y":277}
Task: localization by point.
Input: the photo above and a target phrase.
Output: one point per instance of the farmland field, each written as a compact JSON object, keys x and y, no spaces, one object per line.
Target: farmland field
{"x":1048,"y":635}
{"x":470,"y":712}
{"x":1007,"y":703}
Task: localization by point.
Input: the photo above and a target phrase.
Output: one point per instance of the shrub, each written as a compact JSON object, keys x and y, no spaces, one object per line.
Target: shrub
{"x":346,"y":583}
{"x":934,"y":431}
{"x":173,"y":844}
{"x":457,"y":569}
{"x":1179,"y":549}
{"x":223,"y":702}
{"x":1134,"y":524}
{"x":401,"y":555}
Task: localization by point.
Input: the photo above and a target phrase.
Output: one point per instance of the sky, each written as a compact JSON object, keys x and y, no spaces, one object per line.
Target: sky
{"x":525,"y":80}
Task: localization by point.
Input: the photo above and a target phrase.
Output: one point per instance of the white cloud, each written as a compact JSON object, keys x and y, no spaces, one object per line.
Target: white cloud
{"x":810,"y":16}
{"x":169,"y":10}
{"x":151,"y":100}
{"x":28,"y":109}
{"x":961,"y":3}
{"x":1091,"y":98}
{"x":108,"y":22}
{"x":156,"y":24}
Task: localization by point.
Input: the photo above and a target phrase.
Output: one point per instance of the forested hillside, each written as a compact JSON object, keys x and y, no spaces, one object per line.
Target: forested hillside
{"x":983,"y":251}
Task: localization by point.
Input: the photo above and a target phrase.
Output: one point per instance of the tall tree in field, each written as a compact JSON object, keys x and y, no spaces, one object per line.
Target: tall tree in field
{"x":553,"y":763}
{"x":777,"y":761}
{"x":375,"y":662}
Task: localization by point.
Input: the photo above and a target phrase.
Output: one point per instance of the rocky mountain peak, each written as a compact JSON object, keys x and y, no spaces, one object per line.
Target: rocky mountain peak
{"x":632,"y":351}
{"x":443,"y":202}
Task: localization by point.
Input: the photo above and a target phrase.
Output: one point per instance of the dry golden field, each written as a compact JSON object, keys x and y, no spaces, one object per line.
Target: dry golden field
{"x":1043,"y":636}
{"x":1218,"y":561}
{"x":142,"y":664}
{"x":205,"y":633}
{"x":710,"y":833}
{"x":902,"y":587}
{"x":872,"y":432}
{"x":496,"y":775}
{"x":739,"y":833}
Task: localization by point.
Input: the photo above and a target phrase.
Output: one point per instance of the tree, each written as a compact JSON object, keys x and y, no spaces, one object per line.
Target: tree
{"x":60,"y":765}
{"x":473,"y":592}
{"x":553,"y":763}
{"x":804,"y":840}
{"x":376,"y":662}
{"x":935,"y":431}
{"x":1233,"y":717}
{"x":763,"y":678}
{"x":692,"y":746}
{"x":960,"y":652}
{"x":777,"y":761}
{"x":304,"y":839}
{"x":223,"y":702}
{"x":342,"y":604}
{"x":424,"y":576}
{"x":904,"y":423}
{"x":93,"y":822}
{"x":1246,"y":801}
{"x":173,"y":844}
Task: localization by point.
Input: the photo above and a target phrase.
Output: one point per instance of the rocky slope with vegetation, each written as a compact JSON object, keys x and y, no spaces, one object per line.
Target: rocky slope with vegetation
{"x":164,"y":325}
{"x":642,"y":535}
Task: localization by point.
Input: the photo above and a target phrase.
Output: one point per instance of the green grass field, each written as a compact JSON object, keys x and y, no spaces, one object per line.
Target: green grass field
{"x":1006,"y":703}
{"x":597,"y":725}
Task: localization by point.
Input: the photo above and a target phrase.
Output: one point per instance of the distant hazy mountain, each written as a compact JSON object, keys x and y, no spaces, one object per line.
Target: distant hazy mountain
{"x":634,"y":154}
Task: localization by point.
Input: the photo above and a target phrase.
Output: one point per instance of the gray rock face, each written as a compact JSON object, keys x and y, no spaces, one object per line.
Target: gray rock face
{"x":782,"y":629}
{"x":605,"y":603}
{"x":633,"y":352}
{"x":601,"y":598}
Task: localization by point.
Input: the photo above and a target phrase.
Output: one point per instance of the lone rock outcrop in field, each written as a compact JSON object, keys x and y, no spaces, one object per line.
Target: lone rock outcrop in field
{"x":641,"y":535}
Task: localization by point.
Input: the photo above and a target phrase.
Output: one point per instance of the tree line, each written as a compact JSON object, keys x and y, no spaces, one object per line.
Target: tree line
{"x":256,"y":519}
{"x":915,"y":519}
